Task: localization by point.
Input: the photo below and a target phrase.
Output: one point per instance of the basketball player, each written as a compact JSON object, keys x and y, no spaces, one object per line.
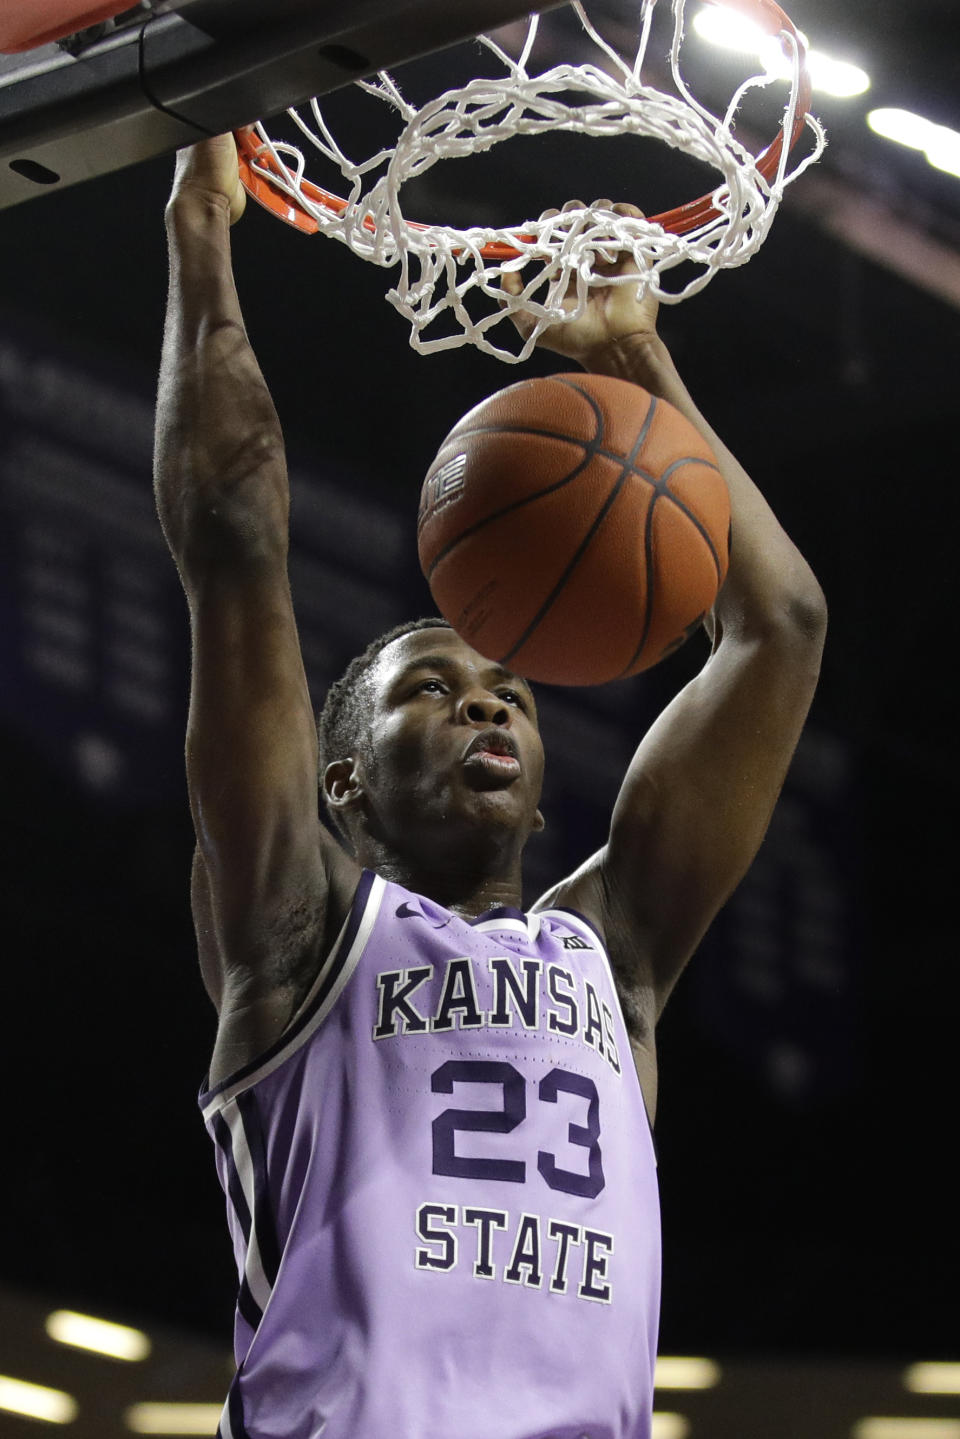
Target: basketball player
{"x":432,"y":1111}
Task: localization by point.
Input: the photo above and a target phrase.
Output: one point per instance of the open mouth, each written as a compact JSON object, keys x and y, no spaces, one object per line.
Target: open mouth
{"x":493,"y":753}
{"x":493,"y":741}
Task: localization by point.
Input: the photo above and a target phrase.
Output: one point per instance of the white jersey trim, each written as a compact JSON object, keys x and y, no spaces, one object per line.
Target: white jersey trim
{"x":225,"y":1428}
{"x":579,"y":926}
{"x":529,"y":925}
{"x":257,"y":1281}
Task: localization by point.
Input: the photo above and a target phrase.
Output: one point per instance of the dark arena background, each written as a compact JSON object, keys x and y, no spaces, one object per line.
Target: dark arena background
{"x":808,"y":1115}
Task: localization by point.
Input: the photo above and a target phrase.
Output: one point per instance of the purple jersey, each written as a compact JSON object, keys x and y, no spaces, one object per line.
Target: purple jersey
{"x":441,"y":1188}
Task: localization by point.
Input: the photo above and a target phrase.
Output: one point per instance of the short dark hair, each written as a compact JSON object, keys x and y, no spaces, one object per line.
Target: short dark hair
{"x":342,"y":721}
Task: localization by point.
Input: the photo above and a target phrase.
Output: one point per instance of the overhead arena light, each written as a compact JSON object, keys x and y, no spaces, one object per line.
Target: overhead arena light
{"x":839,"y":78}
{"x":828,"y":76}
{"x":83,"y":1332}
{"x":943,"y":152}
{"x":163,"y":1418}
{"x":673,"y":1372}
{"x":882,"y":1427}
{"x":34,"y":1401}
{"x":939,"y":143}
{"x":728,"y":31}
{"x":669,"y":1426}
{"x":933,"y":1378}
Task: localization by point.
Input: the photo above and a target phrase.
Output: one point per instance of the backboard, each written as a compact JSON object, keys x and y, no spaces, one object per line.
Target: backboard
{"x":164,"y":73}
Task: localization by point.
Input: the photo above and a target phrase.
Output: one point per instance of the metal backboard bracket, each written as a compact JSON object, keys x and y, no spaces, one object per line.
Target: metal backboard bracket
{"x":72,"y":111}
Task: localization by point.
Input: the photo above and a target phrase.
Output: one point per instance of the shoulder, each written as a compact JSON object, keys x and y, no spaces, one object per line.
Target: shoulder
{"x":255,"y":1008}
{"x":586,"y":895}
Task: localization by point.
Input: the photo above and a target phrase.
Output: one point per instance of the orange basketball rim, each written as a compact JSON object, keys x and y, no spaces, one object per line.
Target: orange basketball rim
{"x":765,"y":14}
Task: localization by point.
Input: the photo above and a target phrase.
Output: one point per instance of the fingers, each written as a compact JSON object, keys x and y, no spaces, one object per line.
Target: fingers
{"x":614,"y":258}
{"x":570,"y":205}
{"x":210,"y":167}
{"x":619,"y":208}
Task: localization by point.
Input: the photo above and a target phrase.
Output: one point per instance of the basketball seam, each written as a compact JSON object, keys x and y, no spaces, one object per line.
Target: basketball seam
{"x":661,"y":490}
{"x":650,"y":586}
{"x":625,"y":473}
{"x":592,"y":450}
{"x":590,"y":453}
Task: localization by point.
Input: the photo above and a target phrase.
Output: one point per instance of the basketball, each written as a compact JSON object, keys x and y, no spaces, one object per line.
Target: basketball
{"x":575,"y":529}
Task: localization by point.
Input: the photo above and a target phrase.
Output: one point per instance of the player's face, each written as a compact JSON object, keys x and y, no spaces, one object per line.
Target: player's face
{"x":455,"y":745}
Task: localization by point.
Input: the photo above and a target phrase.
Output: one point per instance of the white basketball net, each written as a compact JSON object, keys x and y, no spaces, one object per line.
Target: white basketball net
{"x":441,"y":268}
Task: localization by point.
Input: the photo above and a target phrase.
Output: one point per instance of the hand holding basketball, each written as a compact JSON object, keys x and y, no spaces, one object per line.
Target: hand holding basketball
{"x":613,"y":312}
{"x":210,"y":168}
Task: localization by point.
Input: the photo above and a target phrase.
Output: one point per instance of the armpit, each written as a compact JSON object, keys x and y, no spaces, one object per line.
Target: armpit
{"x":639,"y":1009}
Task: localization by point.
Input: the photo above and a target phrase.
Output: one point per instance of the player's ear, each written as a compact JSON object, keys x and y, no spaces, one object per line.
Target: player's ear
{"x":539,"y":823}
{"x":342,"y":784}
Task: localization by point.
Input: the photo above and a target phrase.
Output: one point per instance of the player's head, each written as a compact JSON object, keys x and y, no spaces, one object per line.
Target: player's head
{"x":426,"y":745}
{"x":343,"y":724}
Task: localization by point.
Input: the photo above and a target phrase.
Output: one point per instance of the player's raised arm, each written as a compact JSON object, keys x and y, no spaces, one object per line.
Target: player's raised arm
{"x":700,"y":791}
{"x":260,"y":878}
{"x":702,"y":786}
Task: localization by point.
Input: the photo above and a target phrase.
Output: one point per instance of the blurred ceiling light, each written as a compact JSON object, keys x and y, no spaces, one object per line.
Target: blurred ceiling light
{"x":884,"y":1428}
{"x":669,"y":1426}
{"x":173,"y":1418}
{"x":901,"y":125}
{"x":838,"y":78}
{"x":733,"y":32}
{"x":36,"y":1402}
{"x":943,"y":151}
{"x":727,"y":30}
{"x":677,"y":1373}
{"x":932,"y":1378}
{"x":83,"y":1332}
{"x":939,"y":143}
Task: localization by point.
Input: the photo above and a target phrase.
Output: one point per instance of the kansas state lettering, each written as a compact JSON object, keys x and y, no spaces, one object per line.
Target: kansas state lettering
{"x":526,"y":995}
{"x":572,"y":1003}
{"x":441,"y":1180}
{"x":524,"y":1249}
